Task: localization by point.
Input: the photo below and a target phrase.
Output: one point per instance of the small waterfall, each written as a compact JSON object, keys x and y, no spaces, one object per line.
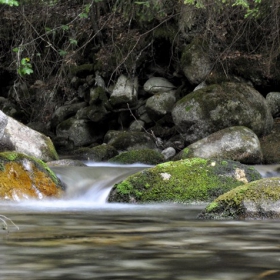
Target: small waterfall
{"x":93,"y":182}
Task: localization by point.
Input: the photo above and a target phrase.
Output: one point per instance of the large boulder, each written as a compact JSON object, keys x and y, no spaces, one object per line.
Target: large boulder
{"x":215,"y":107}
{"x":255,"y":200}
{"x":236,"y":143}
{"x":24,"y":177}
{"x":14,"y":136}
{"x":189,"y":180}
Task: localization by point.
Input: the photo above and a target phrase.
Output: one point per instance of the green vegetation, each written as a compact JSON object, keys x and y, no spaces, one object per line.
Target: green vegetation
{"x":232,"y":204}
{"x":9,"y":2}
{"x":45,"y":39}
{"x":189,"y":180}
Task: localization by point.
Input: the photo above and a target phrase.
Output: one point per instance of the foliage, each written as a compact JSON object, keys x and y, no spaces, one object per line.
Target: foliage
{"x":128,"y":37}
{"x":9,"y":2}
{"x":249,"y":6}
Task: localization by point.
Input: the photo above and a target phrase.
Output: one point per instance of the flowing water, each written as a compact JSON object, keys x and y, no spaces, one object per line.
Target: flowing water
{"x":83,"y":237}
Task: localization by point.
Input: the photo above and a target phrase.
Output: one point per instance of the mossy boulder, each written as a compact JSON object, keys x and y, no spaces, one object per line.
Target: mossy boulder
{"x":146,"y":156}
{"x":216,"y":107}
{"x":256,"y":200}
{"x":24,"y":177}
{"x":99,"y":153}
{"x":189,"y":180}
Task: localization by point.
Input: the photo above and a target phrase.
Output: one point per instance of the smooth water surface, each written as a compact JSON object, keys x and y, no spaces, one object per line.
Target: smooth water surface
{"x":79,"y":238}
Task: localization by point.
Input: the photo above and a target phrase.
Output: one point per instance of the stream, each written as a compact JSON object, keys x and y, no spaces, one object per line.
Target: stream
{"x":83,"y":237}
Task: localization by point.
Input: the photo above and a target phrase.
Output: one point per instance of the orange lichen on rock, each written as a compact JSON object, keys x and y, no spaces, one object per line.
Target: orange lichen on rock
{"x":18,"y":182}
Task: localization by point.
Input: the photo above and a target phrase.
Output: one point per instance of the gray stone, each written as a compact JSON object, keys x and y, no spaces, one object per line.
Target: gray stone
{"x":65,"y":112}
{"x":235,"y":143}
{"x":125,"y":92}
{"x":160,"y":104}
{"x":14,"y":136}
{"x":169,"y":152}
{"x":158,"y":85}
{"x":81,"y":132}
{"x":215,"y":107}
{"x":195,"y":61}
{"x":273,"y":101}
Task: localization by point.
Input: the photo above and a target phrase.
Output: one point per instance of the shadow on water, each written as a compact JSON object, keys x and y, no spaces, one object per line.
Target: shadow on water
{"x":81,"y":237}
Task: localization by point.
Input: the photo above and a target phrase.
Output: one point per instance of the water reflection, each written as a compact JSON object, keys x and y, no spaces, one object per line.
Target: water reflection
{"x":134,"y":242}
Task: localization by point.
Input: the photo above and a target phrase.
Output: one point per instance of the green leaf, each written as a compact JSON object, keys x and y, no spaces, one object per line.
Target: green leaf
{"x":65,"y":27}
{"x":62,"y":52}
{"x":16,"y":50}
{"x":73,"y":41}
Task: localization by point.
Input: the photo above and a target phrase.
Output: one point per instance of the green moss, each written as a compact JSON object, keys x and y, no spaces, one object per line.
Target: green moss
{"x":187,"y":180}
{"x":50,"y":149}
{"x":9,"y":155}
{"x":230,"y":205}
{"x":212,"y":206}
{"x":18,"y":157}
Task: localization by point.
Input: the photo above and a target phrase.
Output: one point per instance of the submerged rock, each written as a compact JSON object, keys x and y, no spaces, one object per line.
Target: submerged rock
{"x":23,"y":177}
{"x":255,"y":200}
{"x":189,"y":180}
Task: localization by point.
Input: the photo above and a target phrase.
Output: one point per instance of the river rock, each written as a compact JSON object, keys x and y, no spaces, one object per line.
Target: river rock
{"x":80,"y":132}
{"x":23,"y":177}
{"x":236,"y":143}
{"x":95,"y":113}
{"x":195,"y":61}
{"x":189,"y":180}
{"x":14,"y":136}
{"x":65,"y":112}
{"x":168,"y":153}
{"x":160,"y":104}
{"x":137,"y":125}
{"x":270,"y":145}
{"x":145,"y":156}
{"x":256,"y":200}
{"x":99,"y":153}
{"x":129,"y":140}
{"x":125,"y":92}
{"x":158,"y":85}
{"x":215,"y":107}
{"x":273,"y":101}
